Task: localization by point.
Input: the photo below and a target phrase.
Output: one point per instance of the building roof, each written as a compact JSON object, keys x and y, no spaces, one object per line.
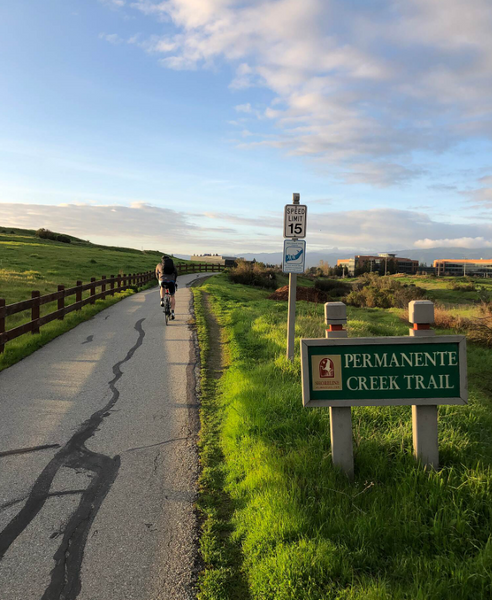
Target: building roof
{"x":461,"y":261}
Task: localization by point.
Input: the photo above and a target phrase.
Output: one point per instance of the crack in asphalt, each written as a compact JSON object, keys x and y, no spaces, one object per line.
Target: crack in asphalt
{"x":154,"y":445}
{"x":65,"y":581}
{"x":51,"y":495}
{"x":27,"y":450}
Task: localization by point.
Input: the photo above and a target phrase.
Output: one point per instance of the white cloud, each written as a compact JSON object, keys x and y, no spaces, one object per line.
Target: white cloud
{"x":386,"y":228}
{"x":464,"y":242}
{"x":152,"y":227}
{"x":114,"y":3}
{"x":362,"y":87}
{"x":112,"y":38}
{"x":245,"y":108}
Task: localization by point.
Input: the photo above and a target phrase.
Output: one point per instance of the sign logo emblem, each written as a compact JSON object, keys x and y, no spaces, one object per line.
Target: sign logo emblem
{"x":326,"y":372}
{"x":326,"y":369}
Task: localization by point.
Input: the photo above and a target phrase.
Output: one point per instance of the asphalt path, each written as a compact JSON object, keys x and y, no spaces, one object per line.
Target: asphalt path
{"x":98,"y":459}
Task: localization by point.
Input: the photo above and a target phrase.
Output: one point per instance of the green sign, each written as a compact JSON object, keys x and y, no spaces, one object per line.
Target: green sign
{"x":384,"y":371}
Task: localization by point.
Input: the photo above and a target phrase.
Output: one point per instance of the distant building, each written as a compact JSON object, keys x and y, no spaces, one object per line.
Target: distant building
{"x":216,"y":259}
{"x":379,"y":263}
{"x":459,"y":267}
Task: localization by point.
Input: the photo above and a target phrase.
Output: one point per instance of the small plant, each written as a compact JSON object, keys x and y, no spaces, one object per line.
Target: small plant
{"x":92,"y":261}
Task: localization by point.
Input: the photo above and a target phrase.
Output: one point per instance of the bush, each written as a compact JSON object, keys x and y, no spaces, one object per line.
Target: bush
{"x":373,"y":291}
{"x":336,"y":288}
{"x":253,"y":274}
{"x":46,"y":234}
{"x":462,"y":287}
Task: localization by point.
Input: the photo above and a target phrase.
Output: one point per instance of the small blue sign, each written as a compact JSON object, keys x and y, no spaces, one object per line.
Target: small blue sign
{"x":294,"y":260}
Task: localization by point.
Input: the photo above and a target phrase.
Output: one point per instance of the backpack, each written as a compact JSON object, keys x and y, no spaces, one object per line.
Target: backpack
{"x":168,"y":268}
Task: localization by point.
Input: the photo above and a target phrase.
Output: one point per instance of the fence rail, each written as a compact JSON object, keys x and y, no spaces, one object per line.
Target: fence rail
{"x":109,"y":286}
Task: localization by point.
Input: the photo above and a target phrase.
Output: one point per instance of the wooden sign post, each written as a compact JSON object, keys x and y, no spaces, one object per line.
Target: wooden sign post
{"x":420,"y":371}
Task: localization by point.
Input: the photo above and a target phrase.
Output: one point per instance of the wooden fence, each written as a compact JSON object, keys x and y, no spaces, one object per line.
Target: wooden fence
{"x":109,"y":286}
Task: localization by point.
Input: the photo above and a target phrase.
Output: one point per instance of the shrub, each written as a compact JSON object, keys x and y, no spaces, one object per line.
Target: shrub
{"x":253,"y":274}
{"x":46,"y":234}
{"x":462,"y":287}
{"x":373,"y":291}
{"x":336,"y":288}
{"x":92,"y":261}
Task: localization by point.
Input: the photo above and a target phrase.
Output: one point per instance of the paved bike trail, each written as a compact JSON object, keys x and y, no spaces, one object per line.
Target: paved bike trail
{"x":98,"y":460}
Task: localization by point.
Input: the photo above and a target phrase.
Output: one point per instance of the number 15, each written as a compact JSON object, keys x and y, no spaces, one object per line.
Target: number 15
{"x":295,"y":228}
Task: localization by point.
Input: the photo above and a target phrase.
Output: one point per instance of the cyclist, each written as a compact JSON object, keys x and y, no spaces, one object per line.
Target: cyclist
{"x":167,"y":276}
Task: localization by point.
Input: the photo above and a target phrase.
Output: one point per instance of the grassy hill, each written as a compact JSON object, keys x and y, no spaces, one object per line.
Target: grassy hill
{"x":28,"y":262}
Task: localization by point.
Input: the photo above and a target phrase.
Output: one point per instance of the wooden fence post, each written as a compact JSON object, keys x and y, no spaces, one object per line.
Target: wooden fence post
{"x":118,"y":282}
{"x":103,"y":285}
{"x":61,"y":302}
{"x":35,"y":312}
{"x":78,"y":294}
{"x":125,"y":282}
{"x":424,"y":417}
{"x":342,"y":447}
{"x":2,"y":322}
{"x":111,"y":285}
{"x":93,"y":290}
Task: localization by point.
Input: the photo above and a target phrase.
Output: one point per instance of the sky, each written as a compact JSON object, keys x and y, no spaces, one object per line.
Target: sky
{"x":186,"y":125}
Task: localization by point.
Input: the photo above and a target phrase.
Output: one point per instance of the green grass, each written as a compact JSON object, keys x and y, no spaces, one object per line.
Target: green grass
{"x":304,"y":532}
{"x":439,"y":290}
{"x":283,"y":280}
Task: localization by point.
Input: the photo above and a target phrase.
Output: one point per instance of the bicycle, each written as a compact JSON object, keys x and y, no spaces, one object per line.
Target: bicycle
{"x":167,"y":303}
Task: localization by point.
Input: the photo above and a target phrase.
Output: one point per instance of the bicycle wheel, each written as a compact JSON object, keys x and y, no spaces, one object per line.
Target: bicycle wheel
{"x":167,"y":310}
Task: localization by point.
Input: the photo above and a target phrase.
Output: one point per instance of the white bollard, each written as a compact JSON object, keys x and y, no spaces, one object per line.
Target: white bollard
{"x":424,"y":418}
{"x":342,"y":449}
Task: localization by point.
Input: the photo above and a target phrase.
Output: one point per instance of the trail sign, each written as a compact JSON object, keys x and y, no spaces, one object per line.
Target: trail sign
{"x":384,"y":371}
{"x":295,"y":216}
{"x":294,"y":259}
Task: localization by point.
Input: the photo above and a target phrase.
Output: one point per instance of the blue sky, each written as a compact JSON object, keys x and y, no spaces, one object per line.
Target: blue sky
{"x":185,"y":125}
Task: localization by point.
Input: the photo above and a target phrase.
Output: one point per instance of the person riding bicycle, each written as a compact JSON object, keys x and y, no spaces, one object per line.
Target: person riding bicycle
{"x":167,"y":275}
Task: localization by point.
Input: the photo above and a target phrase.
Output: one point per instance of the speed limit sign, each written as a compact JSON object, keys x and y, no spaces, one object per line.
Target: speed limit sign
{"x":295,"y":216}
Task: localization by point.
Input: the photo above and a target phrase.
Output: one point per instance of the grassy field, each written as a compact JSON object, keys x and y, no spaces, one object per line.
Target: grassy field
{"x":439,"y":290}
{"x":29,"y":263}
{"x":282,"y":524}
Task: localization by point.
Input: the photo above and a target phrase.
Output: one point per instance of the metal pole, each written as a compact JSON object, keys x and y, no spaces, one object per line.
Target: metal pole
{"x":291,"y":319}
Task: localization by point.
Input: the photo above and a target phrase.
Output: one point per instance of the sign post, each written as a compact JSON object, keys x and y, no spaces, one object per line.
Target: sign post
{"x":424,"y":418}
{"x":342,"y":448}
{"x":420,"y":371}
{"x":293,"y":262}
